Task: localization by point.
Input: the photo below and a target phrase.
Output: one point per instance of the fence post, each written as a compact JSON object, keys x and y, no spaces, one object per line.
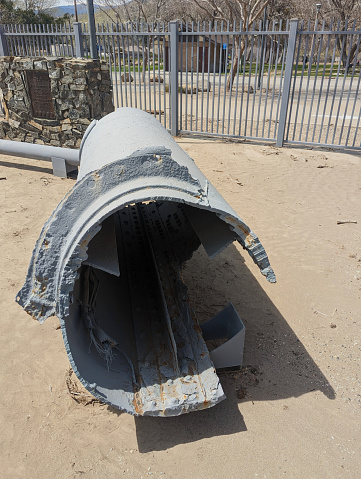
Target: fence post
{"x":4,"y":50}
{"x":287,"y":82}
{"x":173,"y":78}
{"x":92,"y":30}
{"x":78,"y":38}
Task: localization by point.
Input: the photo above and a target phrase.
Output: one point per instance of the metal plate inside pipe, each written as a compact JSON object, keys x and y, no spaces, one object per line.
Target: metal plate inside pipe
{"x":108,"y":264}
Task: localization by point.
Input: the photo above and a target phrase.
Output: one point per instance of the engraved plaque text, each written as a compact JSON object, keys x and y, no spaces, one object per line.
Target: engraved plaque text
{"x":40,"y":94}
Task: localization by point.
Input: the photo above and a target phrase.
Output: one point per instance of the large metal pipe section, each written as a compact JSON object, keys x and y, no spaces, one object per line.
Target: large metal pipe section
{"x":108,"y":264}
{"x":38,"y":152}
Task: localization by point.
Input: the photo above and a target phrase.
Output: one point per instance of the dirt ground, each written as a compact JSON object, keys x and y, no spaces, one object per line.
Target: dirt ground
{"x":294,"y":409}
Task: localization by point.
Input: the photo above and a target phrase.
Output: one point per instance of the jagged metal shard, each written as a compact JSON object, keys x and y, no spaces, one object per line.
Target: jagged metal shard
{"x":108,"y":264}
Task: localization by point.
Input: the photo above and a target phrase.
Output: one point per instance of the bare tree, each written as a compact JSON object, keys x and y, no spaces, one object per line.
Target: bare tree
{"x":37,"y":5}
{"x":345,"y":11}
{"x":135,"y":11}
{"x":245,"y":11}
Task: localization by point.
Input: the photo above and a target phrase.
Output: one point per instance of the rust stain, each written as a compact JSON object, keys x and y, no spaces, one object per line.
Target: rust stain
{"x":246,"y":231}
{"x":137,"y":403}
{"x":197,"y":328}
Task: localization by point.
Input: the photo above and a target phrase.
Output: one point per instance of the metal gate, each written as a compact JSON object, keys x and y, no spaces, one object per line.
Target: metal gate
{"x":287,"y":82}
{"x":325,"y":105}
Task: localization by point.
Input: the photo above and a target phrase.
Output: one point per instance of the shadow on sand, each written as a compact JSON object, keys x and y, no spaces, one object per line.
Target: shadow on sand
{"x":49,"y":171}
{"x":280,"y":367}
{"x":22,"y":166}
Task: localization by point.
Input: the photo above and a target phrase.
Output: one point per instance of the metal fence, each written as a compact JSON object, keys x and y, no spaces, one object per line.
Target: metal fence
{"x":290,"y":82}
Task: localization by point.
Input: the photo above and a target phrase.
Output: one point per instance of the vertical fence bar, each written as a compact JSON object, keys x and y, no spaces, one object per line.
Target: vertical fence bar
{"x":124,"y":80}
{"x":268,"y":78}
{"x":349,"y":90}
{"x":255,"y":80}
{"x":132,"y":61}
{"x":312,"y":54}
{"x":186,"y":76}
{"x":192,"y":77}
{"x":119,"y":66}
{"x":169,"y":89}
{"x":41,"y":30}
{"x":174,"y":77}
{"x":231,"y":78}
{"x":113,"y":73}
{"x":128,"y":75}
{"x":287,"y":81}
{"x":154,"y":71}
{"x":343,"y":83}
{"x":220,"y":76}
{"x":144,"y":66}
{"x":353,"y":108}
{"x":149,"y":44}
{"x":157,"y":38}
{"x":249,"y":79}
{"x":163,"y":63}
{"x":4,"y":50}
{"x":197,"y":77}
{"x":325,"y":102}
{"x":71,"y":40}
{"x":237,"y":81}
{"x":260,"y":76}
{"x":215,"y":48}
{"x":78,"y":38}
{"x":23,"y":44}
{"x":53,"y":50}
{"x":283,"y":66}
{"x":203,"y":61}
{"x":208,"y":70}
{"x":181,"y":43}
{"x":243,"y":74}
{"x":226,"y":37}
{"x":15,"y":42}
{"x":322,"y":80}
{"x":139,"y":64}
{"x":356,"y":130}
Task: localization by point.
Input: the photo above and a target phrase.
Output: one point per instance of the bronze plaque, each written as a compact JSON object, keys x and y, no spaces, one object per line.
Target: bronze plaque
{"x":40,"y":94}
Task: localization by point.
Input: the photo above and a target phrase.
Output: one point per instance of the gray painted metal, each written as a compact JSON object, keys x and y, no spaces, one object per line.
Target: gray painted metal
{"x":61,"y":168}
{"x":39,"y":152}
{"x":228,"y":325}
{"x":64,"y":160}
{"x":108,"y":262}
{"x":4,"y":50}
{"x":174,"y":79}
{"x":79,"y":45}
{"x":287,"y":82}
{"x":92,"y":31}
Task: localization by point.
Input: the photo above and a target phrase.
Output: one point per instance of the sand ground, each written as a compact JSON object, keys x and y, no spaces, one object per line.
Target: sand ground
{"x":293,"y":412}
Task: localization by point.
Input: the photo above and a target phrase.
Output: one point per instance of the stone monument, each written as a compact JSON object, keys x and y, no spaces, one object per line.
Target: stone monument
{"x":52,"y":100}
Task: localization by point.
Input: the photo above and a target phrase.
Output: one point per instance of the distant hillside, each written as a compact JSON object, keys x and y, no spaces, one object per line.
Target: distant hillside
{"x":63,"y":9}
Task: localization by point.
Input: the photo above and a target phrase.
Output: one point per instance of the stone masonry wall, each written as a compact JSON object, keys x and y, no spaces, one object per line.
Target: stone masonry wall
{"x":80,"y":90}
